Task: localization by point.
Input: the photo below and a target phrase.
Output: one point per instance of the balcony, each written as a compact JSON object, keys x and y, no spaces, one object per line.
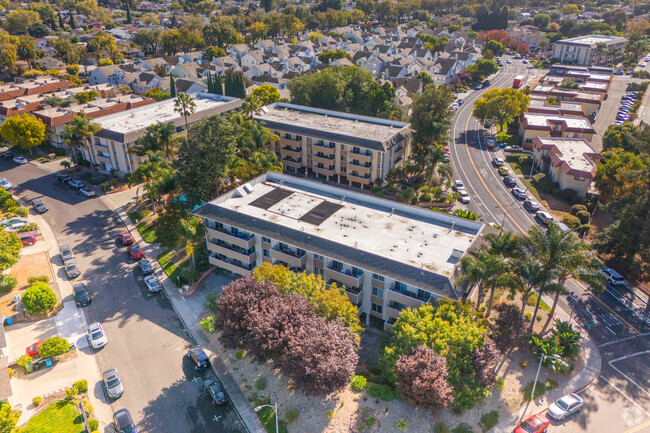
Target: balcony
{"x":103,"y":157}
{"x":555,"y":133}
{"x":396,"y":306}
{"x":363,"y":156}
{"x":288,"y":256}
{"x":244,"y":256}
{"x":388,"y":324}
{"x":327,"y":171}
{"x":362,"y":179}
{"x":409,"y":299}
{"x":294,"y":152}
{"x":320,"y":146}
{"x":230,"y":265}
{"x":290,"y":162}
{"x":326,"y":160}
{"x":240,"y":239}
{"x":362,"y":169}
{"x":344,"y":276}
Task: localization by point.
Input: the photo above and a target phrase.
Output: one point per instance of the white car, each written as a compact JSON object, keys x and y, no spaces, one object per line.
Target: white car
{"x":565,"y":406}
{"x":508,"y":61}
{"x":87,"y":192}
{"x":464,"y":197}
{"x":614,"y":278}
{"x":4,"y":183}
{"x":97,"y":336}
{"x":458,"y":185}
{"x":519,"y":193}
{"x":152,"y":284}
{"x":20,"y":160}
{"x":15,"y":227}
{"x":454,"y":106}
{"x":498,"y":162}
{"x":76,"y":184}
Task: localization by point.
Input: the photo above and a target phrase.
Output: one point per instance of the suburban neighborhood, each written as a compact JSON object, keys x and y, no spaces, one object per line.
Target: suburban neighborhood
{"x":324,"y":217}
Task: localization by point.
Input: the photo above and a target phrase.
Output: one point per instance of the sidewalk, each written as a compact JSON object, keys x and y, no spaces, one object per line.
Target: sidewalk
{"x":186,"y":314}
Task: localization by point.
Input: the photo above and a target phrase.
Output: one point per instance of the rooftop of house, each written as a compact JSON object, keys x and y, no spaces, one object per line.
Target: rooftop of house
{"x":576,"y":154}
{"x":542,"y":120}
{"x":593,"y":40}
{"x":561,"y":106}
{"x":355,"y":228}
{"x":364,"y":131}
{"x":94,"y":108}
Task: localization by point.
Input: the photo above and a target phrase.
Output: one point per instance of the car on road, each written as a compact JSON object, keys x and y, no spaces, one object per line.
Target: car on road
{"x":531,"y":206}
{"x":477,"y":87}
{"x":544,"y":218}
{"x":112,"y":383}
{"x":39,"y":206}
{"x":464,"y":196}
{"x":486,"y":84}
{"x":7,"y":154}
{"x":33,"y":349}
{"x":497,"y":162}
{"x":71,"y":269}
{"x":145,"y":267}
{"x":534,"y":424}
{"x":152,"y":283}
{"x":4,"y":183}
{"x":76,"y":184}
{"x":96,"y":335}
{"x":81,"y":295}
{"x":123,"y":422}
{"x":216,"y":391}
{"x":135,"y":253}
{"x":458,"y":185}
{"x":126,"y":239}
{"x":508,"y":61}
{"x":504,"y":171}
{"x":490,"y":143}
{"x":460,"y":102}
{"x":27,"y":238}
{"x":524,"y":61}
{"x":20,"y":160}
{"x":62,"y":178}
{"x":198,"y":357}
{"x":565,"y":406}
{"x":614,"y":279}
{"x":87,"y":192}
{"x":66,"y":253}
{"x":509,"y":181}
{"x":519,"y":193}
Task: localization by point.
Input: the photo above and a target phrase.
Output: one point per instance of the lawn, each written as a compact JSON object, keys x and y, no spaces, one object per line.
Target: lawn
{"x":60,"y":417}
{"x":145,"y":226}
{"x":267,"y":415}
{"x":173,"y":261}
{"x":532,"y":300}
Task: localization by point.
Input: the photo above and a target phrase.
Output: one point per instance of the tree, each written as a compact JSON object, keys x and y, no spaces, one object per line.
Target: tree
{"x":541,"y":21}
{"x":151,"y":172}
{"x":53,"y":346}
{"x":484,"y":361}
{"x":221,"y":32}
{"x":172,"y":87}
{"x":158,"y":138}
{"x":267,"y":4}
{"x":486,"y":269}
{"x":77,"y":133}
{"x":19,"y":21}
{"x":482,"y":68}
{"x":185,"y":106}
{"x":507,"y":326}
{"x":266,"y":94}
{"x":500,"y":106}
{"x":158,"y":94}
{"x":8,"y":418}
{"x":39,"y":298}
{"x":570,"y":9}
{"x":327,"y":56}
{"x":23,"y":130}
{"x":148,"y":39}
{"x":234,"y":84}
{"x":26,"y":50}
{"x":497,"y":48}
{"x":10,"y":247}
{"x":432,"y":114}
{"x":422,"y":379}
{"x":258,"y":30}
{"x":214,"y":52}
{"x":204,"y":158}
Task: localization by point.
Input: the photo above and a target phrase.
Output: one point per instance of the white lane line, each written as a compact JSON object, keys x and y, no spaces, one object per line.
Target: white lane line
{"x":609,"y":343}
{"x":610,"y":330}
{"x":611,"y":364}
{"x":625,"y":395}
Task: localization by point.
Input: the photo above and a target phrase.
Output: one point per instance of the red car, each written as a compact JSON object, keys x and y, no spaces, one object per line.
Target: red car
{"x":126,"y":239}
{"x":534,"y":424}
{"x":27,"y":239}
{"x":135,"y":253}
{"x":33,"y":349}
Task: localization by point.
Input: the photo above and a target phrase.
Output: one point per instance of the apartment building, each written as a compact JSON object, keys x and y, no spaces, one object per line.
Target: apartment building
{"x":564,"y":108}
{"x":340,"y":147}
{"x":109,"y":148}
{"x":387,"y":256}
{"x":568,"y":161}
{"x":591,"y":102}
{"x":533,"y":125}
{"x":33,"y":87}
{"x":589,"y":50}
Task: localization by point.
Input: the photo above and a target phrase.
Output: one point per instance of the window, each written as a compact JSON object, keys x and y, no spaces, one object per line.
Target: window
{"x":298,"y":137}
{"x":266,"y":239}
{"x":376,"y":291}
{"x":343,"y":158}
{"x":318,"y":257}
{"x":266,"y":253}
{"x":377,"y":308}
{"x":578,"y":178}
{"x":344,"y":169}
{"x":378,"y":277}
{"x":337,"y":265}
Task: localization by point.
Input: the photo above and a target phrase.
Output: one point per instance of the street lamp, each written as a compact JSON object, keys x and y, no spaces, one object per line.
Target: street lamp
{"x":275,"y":408}
{"x":539,"y":367}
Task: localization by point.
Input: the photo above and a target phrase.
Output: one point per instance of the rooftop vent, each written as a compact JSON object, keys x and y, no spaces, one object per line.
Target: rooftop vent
{"x":456,"y":253}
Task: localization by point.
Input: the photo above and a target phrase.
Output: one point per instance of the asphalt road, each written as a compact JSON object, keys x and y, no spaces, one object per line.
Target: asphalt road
{"x":619,"y":399}
{"x":147,"y":341}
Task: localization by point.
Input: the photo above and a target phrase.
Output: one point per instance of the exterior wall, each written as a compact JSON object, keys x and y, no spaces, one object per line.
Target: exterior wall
{"x":557,"y":174}
{"x":527,"y":135}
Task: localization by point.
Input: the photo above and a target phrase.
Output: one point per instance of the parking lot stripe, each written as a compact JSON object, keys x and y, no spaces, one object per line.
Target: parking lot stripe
{"x":632,"y":355}
{"x":639,"y":427}
{"x":606,"y":306}
{"x":621,"y":340}
{"x":626,"y":396}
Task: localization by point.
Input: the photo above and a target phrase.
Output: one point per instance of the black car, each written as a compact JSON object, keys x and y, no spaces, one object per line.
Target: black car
{"x":198,"y":356}
{"x":81,"y":296}
{"x":509,"y":181}
{"x":7,"y":154}
{"x":62,"y":178}
{"x":216,"y":391}
{"x":486,"y":83}
{"x":145,"y":267}
{"x":123,"y":421}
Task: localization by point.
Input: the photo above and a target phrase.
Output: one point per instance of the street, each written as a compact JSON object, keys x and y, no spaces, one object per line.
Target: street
{"x":147,"y":341}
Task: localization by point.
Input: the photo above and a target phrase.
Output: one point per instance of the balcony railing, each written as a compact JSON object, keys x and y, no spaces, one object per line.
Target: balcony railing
{"x":292,"y":149}
{"x":232,"y":251}
{"x":358,"y":164}
{"x":241,"y":235}
{"x":231,"y":265}
{"x":323,"y":144}
{"x":359,"y":152}
{"x":322,"y":155}
{"x":397,"y":289}
{"x":556,"y":133}
{"x":396,"y":306}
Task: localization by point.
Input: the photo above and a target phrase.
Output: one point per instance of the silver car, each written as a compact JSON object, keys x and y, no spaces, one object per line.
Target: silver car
{"x":565,"y":406}
{"x":112,"y":383}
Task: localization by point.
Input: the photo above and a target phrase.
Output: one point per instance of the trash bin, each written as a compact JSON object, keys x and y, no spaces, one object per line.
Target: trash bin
{"x":48,"y":362}
{"x":9,"y":321}
{"x":16,"y":299}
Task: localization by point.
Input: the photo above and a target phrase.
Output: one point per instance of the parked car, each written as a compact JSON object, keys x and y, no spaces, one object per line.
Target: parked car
{"x":519,"y":193}
{"x":76,"y":184}
{"x":123,"y":421}
{"x":504,"y":171}
{"x":514,"y":148}
{"x":126,"y":239}
{"x":534,"y":424}
{"x":39,"y":206}
{"x":145,"y":267}
{"x":531,"y":206}
{"x":565,"y":406}
{"x":216,"y":391}
{"x":96,"y":335}
{"x":458,"y":185}
{"x":477,"y":87}
{"x":152,"y":283}
{"x":509,"y":181}
{"x":460,"y":102}
{"x":33,"y":349}
{"x":81,"y":295}
{"x":13,"y":228}
{"x":112,"y":383}
{"x":613,"y":278}
{"x":71,"y":269}
{"x":508,"y":61}
{"x":497,"y":162}
{"x":198,"y":356}
{"x":464,"y":197}
{"x":20,"y":160}
{"x":14,"y":220}
{"x":66,"y":253}
{"x":490,"y":143}
{"x":135,"y":253}
{"x":7,"y":154}
{"x":62,"y":178}
{"x":87,"y":192}
{"x":454,"y":106}
{"x":4,"y":183}
{"x":27,"y":238}
{"x":544,"y":218}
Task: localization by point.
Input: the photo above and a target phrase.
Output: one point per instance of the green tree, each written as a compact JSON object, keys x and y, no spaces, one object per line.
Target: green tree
{"x":327,"y":56}
{"x":158,"y":138}
{"x":214,"y":52}
{"x":10,"y":246}
{"x":19,"y":21}
{"x":23,"y":130}
{"x":26,"y":50}
{"x":541,"y":20}
{"x":158,"y":94}
{"x":570,"y":9}
{"x":152,"y":172}
{"x":185,"y":106}
{"x":39,"y":298}
{"x":500,"y":106}
{"x":432,"y":114}
{"x":77,"y":133}
{"x":221,"y":31}
{"x":53,"y":346}
{"x":172,"y":87}
{"x":8,"y":418}
{"x":266,"y":94}
{"x":482,"y":68}
{"x":496,"y":47}
{"x":488,"y":270}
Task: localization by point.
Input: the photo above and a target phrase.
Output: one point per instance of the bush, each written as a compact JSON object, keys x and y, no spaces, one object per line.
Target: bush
{"x":31,"y":227}
{"x":568,"y":194}
{"x":543,"y":182}
{"x":441,"y":427}
{"x":291,"y":415}
{"x":425,"y":198}
{"x":577,"y":208}
{"x":11,"y":372}
{"x":36,"y":401}
{"x":583,"y":216}
{"x":39,"y":298}
{"x":93,"y":424}
{"x":42,"y":278}
{"x":402,"y":425}
{"x":422,"y":379}
{"x":239,"y":355}
{"x":70,"y":394}
{"x":54,"y":346}
{"x":557,"y":192}
{"x":463,"y":427}
{"x":208,"y":324}
{"x":330,"y":414}
{"x":24,"y":360}
{"x":80,"y":386}
{"x":22,"y":211}
{"x":358,"y":383}
{"x":499,"y":384}
{"x":489,"y":420}
{"x":571,"y":221}
{"x":260,"y":384}
{"x":386,"y":393}
{"x":374,"y":391}
{"x":8,"y":282}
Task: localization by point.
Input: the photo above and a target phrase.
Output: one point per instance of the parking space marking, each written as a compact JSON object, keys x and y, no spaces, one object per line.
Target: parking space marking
{"x":639,"y":427}
{"x":621,"y":340}
{"x":625,"y":395}
{"x":610,"y":330}
{"x":632,"y":355}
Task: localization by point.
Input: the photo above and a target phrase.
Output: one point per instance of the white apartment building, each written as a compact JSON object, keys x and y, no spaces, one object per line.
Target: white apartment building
{"x":387,"y":256}
{"x":584,"y":50}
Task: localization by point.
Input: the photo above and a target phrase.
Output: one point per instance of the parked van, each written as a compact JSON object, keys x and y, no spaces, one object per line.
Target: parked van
{"x":544,"y":218}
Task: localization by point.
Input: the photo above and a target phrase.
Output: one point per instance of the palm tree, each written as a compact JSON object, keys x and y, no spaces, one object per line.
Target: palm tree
{"x":184,"y":105}
{"x":26,"y":50}
{"x":152,"y":172}
{"x":251,"y":105}
{"x":77,"y":133}
{"x":159,"y":137}
{"x":487,"y":270}
{"x":429,"y":159}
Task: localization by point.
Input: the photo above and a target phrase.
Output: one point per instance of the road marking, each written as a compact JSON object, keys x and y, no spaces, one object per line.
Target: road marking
{"x":606,"y":306}
{"x":623,"y":374}
{"x":609,"y":343}
{"x":610,"y":330}
{"x":625,"y":395}
{"x":217,"y":418}
{"x":637,"y":428}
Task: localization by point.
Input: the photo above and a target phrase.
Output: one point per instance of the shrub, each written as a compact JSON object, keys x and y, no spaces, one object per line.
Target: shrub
{"x":22,"y":211}
{"x":500,"y":384}
{"x":24,"y":360}
{"x":39,"y":298}
{"x":291,"y":415}
{"x":371,"y":421}
{"x":489,"y":420}
{"x":208,"y":324}
{"x":583,"y":216}
{"x":93,"y":424}
{"x":577,"y":208}
{"x":70,"y":394}
{"x":571,"y":221}
{"x":54,"y":346}
{"x":441,"y":427}
{"x":31,"y":227}
{"x":330,"y":414}
{"x":386,"y":393}
{"x":81,"y":386}
{"x":260,"y":384}
{"x":463,"y":427}
{"x":358,"y":383}
{"x":8,"y":282}
{"x":407,"y":196}
{"x":36,"y":401}
{"x":557,"y":192}
{"x":240,"y":354}
{"x":374,"y":391}
{"x":507,"y":326}
{"x":11,"y":372}
{"x":568,"y":194}
{"x":402,"y":425}
{"x":42,"y":278}
{"x":374,"y":370}
{"x":425,"y":198}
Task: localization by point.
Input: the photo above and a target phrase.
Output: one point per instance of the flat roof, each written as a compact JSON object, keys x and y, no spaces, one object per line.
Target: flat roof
{"x":542,"y":120}
{"x":413,"y":245}
{"x":592,"y":40}
{"x":576,"y":153}
{"x":365,"y":131}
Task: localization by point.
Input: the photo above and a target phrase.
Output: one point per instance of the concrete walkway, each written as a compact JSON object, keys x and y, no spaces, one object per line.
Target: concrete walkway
{"x":185,"y":312}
